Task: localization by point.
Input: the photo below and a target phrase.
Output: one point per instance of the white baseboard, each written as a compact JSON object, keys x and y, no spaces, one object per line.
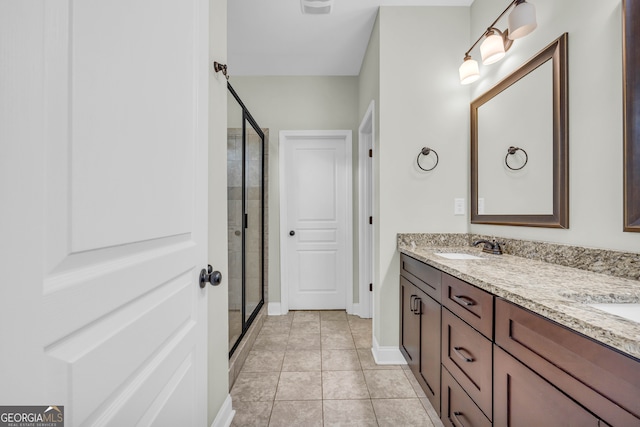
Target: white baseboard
{"x":225,"y":414}
{"x":355,"y":309}
{"x":388,"y":355}
{"x":275,"y":309}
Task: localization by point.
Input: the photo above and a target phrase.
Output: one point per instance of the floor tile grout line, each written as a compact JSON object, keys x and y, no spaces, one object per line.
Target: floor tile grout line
{"x":359,"y":356}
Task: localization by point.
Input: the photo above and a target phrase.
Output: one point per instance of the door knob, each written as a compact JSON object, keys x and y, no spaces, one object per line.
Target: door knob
{"x":292,"y":233}
{"x":208,"y":275}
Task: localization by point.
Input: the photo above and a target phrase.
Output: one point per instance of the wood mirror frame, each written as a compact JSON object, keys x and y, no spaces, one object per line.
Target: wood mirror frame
{"x":557,"y":53}
{"x":631,"y":79}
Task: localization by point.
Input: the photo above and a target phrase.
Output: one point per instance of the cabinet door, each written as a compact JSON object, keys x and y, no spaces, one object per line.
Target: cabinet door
{"x":599,"y":378}
{"x":522,"y":398}
{"x":430,"y":348}
{"x":409,"y":324}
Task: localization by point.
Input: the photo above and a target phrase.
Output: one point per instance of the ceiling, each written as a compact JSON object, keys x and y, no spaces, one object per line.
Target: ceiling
{"x":274,"y":38}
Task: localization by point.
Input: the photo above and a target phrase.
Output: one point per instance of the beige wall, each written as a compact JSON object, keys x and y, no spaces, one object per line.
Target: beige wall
{"x":595,"y":114}
{"x":297,"y":103}
{"x":218,"y":347}
{"x":421,"y":104}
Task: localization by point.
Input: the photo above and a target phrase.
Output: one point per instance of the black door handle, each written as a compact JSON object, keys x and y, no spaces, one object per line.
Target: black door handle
{"x":208,"y":275}
{"x":292,"y":233}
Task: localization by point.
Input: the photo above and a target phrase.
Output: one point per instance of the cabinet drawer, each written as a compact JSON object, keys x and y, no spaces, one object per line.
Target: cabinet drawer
{"x":522,"y":398}
{"x":457,"y":407}
{"x":471,"y":304}
{"x":468,"y":356}
{"x":425,"y":277}
{"x":599,"y":378}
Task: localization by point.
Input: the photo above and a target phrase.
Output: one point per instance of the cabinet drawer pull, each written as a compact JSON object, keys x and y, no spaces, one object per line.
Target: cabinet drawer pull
{"x":459,"y":352}
{"x":412,"y":303}
{"x":465,"y":300}
{"x":456,"y":414}
{"x":417,"y":304}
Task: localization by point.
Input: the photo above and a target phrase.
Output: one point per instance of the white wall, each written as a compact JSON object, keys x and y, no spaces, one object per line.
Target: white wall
{"x":421,"y":104}
{"x":595,"y":114}
{"x":218,"y":322}
{"x":297,"y":103}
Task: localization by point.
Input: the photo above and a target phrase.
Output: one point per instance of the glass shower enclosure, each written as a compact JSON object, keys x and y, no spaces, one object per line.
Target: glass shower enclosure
{"x":245,"y":193}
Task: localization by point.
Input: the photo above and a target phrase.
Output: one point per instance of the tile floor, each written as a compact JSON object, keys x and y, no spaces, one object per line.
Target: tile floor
{"x":315,"y":368}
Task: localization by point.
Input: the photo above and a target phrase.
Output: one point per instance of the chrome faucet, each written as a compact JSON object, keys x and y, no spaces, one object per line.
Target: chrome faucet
{"x":489,"y":247}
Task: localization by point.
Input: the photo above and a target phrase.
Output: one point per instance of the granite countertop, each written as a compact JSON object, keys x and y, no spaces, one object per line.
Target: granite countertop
{"x":556,"y":292}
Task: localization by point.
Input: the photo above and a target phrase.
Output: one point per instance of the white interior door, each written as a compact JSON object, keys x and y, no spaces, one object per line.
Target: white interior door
{"x":103,"y":130}
{"x":316,"y":219}
{"x":365,"y":244}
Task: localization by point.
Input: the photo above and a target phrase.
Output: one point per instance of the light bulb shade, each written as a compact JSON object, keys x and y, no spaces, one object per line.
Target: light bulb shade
{"x":469,"y":72}
{"x":492,"y":49}
{"x":522,"y":20}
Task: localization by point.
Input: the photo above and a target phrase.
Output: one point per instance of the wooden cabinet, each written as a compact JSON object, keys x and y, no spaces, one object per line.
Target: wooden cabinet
{"x":420,"y":325}
{"x":523,"y":398}
{"x":598,"y":378}
{"x":483,"y":360}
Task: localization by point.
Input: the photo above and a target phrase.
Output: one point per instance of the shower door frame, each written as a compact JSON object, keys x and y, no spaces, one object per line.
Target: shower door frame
{"x":247,"y":117}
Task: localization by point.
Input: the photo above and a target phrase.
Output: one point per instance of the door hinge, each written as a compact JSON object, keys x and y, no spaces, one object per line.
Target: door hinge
{"x":370,"y":287}
{"x":370,"y":153}
{"x":370,"y":220}
{"x":246,"y":220}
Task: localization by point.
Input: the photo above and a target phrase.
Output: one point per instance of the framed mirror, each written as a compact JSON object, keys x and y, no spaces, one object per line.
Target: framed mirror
{"x":520,"y":145}
{"x":631,"y":79}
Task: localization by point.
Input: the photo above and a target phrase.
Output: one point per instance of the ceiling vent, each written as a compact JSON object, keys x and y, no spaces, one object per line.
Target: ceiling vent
{"x":316,"y":7}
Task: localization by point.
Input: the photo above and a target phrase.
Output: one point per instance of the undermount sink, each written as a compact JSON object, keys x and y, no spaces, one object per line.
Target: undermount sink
{"x":629,"y":311}
{"x":453,"y":255}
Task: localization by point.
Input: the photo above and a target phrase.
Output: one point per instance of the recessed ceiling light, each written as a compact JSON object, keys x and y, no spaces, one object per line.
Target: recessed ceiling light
{"x":316,"y":7}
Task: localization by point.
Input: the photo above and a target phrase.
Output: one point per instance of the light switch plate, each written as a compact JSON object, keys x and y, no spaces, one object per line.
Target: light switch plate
{"x":458,"y":206}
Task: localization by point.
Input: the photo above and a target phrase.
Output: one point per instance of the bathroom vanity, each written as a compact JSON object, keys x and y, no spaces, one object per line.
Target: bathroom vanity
{"x":509,"y":341}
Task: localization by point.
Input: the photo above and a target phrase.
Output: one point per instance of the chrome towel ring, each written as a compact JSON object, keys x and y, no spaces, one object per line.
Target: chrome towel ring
{"x":425,"y":152}
{"x":511,"y":151}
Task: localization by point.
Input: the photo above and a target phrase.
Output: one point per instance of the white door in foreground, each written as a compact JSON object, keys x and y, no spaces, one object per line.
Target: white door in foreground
{"x":316,"y":219}
{"x":103,"y":158}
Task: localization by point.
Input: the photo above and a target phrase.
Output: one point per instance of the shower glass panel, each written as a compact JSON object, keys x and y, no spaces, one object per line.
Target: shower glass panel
{"x":245,"y":170}
{"x":253,"y":228}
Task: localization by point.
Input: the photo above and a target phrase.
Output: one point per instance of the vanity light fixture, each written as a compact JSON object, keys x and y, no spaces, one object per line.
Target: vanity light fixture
{"x":522,"y":21}
{"x":469,"y":71}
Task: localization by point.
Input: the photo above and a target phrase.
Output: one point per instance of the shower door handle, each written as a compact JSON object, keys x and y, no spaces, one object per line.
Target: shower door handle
{"x":208,"y":275}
